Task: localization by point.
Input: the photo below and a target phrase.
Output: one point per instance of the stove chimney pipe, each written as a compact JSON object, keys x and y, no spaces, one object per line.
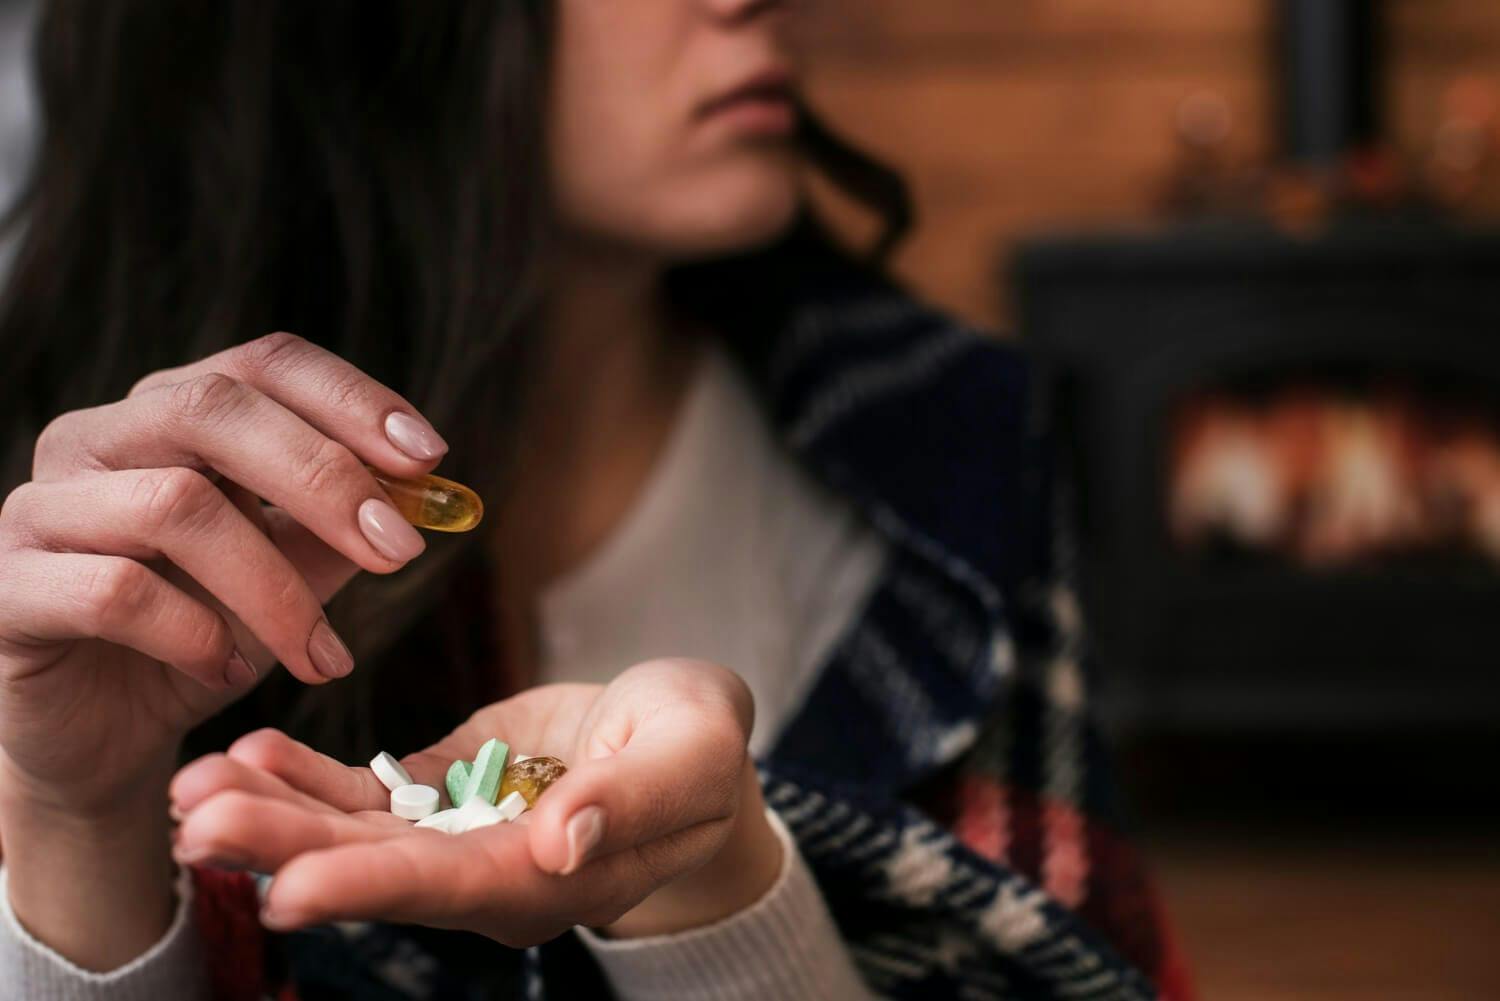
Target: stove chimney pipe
{"x":1330,"y":53}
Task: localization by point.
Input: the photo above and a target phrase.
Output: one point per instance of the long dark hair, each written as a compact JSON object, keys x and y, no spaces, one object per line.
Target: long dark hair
{"x":367,"y":173}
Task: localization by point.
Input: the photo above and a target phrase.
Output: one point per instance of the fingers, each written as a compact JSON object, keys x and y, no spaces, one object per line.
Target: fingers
{"x":317,"y":775}
{"x":413,"y":879}
{"x":177,"y":514}
{"x":483,"y":881}
{"x":213,"y":774}
{"x":214,"y":421}
{"x":240,"y":829}
{"x":329,"y":393}
{"x":48,"y":597}
{"x":679,"y":769}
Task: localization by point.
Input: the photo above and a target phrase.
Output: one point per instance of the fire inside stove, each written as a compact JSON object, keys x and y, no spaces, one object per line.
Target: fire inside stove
{"x":1329,"y":476}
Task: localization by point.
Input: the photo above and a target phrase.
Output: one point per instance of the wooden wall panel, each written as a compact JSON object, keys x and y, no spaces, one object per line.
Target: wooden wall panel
{"x":1011,"y":117}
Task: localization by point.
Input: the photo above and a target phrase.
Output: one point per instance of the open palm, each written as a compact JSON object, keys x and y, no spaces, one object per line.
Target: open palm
{"x":655,"y":761}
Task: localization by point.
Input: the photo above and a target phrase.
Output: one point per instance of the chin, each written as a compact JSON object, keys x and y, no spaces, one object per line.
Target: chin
{"x":747,"y":209}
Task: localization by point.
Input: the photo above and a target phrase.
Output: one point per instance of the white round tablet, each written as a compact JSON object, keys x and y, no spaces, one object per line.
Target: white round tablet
{"x":414,"y":802}
{"x":389,"y":771}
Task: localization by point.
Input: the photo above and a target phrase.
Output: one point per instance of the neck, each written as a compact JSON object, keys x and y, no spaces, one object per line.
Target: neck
{"x":600,"y":410}
{"x":609,"y":340}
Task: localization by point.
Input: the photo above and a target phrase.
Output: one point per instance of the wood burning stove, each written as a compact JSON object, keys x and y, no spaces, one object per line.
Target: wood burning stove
{"x":1135,"y":331}
{"x":1234,"y":398}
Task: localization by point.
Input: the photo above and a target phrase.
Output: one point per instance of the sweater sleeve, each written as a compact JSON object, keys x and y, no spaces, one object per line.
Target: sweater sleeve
{"x":783,"y":946}
{"x":173,"y":968}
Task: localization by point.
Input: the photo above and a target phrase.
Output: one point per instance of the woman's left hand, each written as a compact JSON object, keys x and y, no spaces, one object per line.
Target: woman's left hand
{"x":657,"y":826}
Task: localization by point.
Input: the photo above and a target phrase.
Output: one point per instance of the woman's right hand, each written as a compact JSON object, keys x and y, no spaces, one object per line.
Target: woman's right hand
{"x":143,"y":586}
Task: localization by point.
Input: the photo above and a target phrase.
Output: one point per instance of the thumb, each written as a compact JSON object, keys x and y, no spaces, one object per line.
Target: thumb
{"x":679,"y":769}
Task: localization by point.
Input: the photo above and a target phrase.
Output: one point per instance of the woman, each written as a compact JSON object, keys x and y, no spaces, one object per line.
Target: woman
{"x":572,"y":236}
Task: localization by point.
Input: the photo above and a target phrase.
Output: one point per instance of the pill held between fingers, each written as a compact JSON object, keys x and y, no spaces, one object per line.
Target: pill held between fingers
{"x":414,"y":802}
{"x":389,"y":771}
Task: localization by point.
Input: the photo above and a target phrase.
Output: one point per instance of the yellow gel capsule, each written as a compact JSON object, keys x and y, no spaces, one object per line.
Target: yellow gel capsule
{"x":531,"y":778}
{"x":432,"y":502}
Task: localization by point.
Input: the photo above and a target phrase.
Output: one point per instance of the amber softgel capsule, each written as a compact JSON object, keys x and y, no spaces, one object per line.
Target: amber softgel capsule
{"x":531,"y":777}
{"x":432,"y":502}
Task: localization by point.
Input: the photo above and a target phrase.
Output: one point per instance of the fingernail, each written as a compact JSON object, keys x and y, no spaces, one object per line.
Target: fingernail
{"x":327,"y":652}
{"x":239,"y":672}
{"x":388,"y":532}
{"x":176,"y":814}
{"x":202,"y":856}
{"x":584,"y":831}
{"x":276,"y":920}
{"x":414,"y":436}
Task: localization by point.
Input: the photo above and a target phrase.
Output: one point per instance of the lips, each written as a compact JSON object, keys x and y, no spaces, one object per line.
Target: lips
{"x":770,"y":87}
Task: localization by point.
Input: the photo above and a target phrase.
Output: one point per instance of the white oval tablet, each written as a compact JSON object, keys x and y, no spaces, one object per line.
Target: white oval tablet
{"x":512,"y":806}
{"x":474,"y":814}
{"x":443,"y":820}
{"x":414,"y":802}
{"x":389,"y":771}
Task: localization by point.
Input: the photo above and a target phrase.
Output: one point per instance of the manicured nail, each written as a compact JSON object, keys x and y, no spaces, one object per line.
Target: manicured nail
{"x":277,"y":920}
{"x":414,"y":436}
{"x":239,"y":672}
{"x":204,"y":857}
{"x":585,"y":830}
{"x":388,"y":532}
{"x":327,"y":652}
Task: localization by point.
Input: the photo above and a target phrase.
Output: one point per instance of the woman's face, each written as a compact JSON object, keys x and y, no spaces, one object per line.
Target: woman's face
{"x":672,"y":122}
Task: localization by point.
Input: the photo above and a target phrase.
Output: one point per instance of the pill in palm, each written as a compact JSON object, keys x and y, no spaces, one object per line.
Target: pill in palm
{"x":414,"y":802}
{"x":474,"y":814}
{"x":475,"y":787}
{"x":484,"y":777}
{"x":457,"y":778}
{"x":389,"y":771}
{"x":443,"y":821}
{"x":511,"y":807}
{"x":531,"y":777}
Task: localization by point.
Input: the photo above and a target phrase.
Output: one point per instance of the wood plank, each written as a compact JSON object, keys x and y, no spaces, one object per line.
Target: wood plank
{"x":1345,"y":916}
{"x":879,"y":23}
{"x":1014,"y":116}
